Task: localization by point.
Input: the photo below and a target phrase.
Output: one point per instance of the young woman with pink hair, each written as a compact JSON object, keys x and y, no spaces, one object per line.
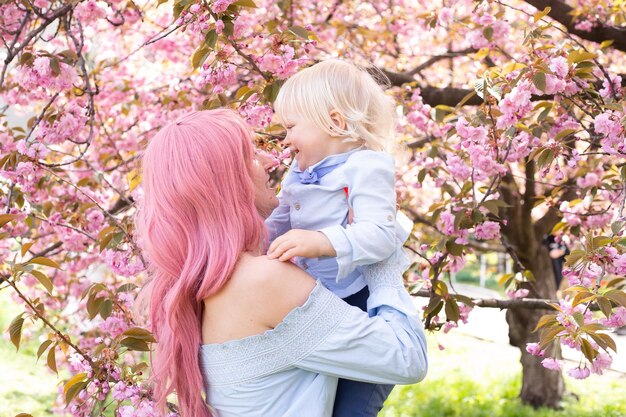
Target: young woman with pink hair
{"x":259,"y":337}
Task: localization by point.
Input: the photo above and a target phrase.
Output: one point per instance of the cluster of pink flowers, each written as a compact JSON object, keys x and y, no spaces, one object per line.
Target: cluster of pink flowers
{"x":256,"y":114}
{"x":38,"y":80}
{"x":500,"y":30}
{"x":68,"y":124}
{"x":487,"y":231}
{"x":122,"y":262}
{"x":519,"y":293}
{"x":515,"y":104}
{"x":122,"y":391}
{"x":612,"y":88}
{"x":114,"y":325}
{"x":281,"y":63}
{"x":90,"y":10}
{"x":219,"y":76}
{"x":475,"y":141}
{"x":608,"y":124}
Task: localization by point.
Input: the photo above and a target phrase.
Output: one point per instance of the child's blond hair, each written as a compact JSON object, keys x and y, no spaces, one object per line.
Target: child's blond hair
{"x":351,"y":91}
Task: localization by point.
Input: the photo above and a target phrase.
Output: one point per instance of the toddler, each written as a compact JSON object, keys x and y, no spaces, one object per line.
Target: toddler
{"x":337,"y":206}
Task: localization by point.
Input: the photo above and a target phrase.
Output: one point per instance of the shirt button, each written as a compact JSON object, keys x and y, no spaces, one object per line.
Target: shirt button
{"x":390,"y":217}
{"x":304,"y":265}
{"x":296,"y":206}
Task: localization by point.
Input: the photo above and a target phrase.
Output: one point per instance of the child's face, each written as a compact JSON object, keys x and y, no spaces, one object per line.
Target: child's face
{"x":310,"y":143}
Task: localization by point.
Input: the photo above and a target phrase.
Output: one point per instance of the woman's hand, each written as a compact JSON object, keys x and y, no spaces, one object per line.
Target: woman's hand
{"x":298,"y":242}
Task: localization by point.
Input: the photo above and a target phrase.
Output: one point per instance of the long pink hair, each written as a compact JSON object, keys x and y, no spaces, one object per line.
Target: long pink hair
{"x":196,"y":218}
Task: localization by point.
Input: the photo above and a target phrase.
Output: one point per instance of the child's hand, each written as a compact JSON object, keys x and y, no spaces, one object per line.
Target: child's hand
{"x":297,"y":242}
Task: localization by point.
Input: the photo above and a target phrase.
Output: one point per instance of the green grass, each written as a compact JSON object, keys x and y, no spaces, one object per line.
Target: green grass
{"x":481,"y":379}
{"x":26,"y":386}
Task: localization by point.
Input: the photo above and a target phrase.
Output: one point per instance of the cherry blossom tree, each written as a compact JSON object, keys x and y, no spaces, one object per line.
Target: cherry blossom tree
{"x":512,"y":122}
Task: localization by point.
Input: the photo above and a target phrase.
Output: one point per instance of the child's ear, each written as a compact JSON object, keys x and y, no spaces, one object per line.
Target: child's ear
{"x":339,"y":122}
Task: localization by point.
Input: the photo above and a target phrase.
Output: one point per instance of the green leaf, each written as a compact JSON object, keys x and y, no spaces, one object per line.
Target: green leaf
{"x":74,"y":389}
{"x":135,"y":344}
{"x":73,"y":381}
{"x":574,"y":257}
{"x":454,"y":248}
{"x":545,"y":157}
{"x":488,"y":33}
{"x":43,"y":279}
{"x":15,"y":330}
{"x":160,"y":2}
{"x":41,"y":260}
{"x":42,"y":348}
{"x":617,"y":296}
{"x":106,"y":309}
{"x":211,"y":38}
{"x":5,"y":218}
{"x":299,"y":31}
{"x":452,"y":310}
{"x":577,"y":56}
{"x":140,"y":334}
{"x":93,"y":306}
{"x":51,"y":359}
{"x":126,"y":288}
{"x":605,"y":306}
{"x":563,"y":133}
{"x":200,"y":55}
{"x":539,"y":79}
{"x":245,"y":3}
{"x":26,"y":247}
{"x":434,"y":306}
{"x":464,"y":299}
{"x":588,"y":350}
{"x":540,"y":15}
{"x":545,"y":321}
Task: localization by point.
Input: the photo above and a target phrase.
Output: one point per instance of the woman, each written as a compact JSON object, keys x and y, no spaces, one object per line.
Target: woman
{"x":259,"y":336}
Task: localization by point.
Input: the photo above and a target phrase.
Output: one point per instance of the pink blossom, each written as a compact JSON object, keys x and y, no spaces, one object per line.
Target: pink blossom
{"x":584,"y":25}
{"x":559,"y":66}
{"x":612,"y":88}
{"x":520,"y":293}
{"x":445,"y":16}
{"x":487,"y":231}
{"x":589,"y":180}
{"x":90,"y":10}
{"x":535,"y":349}
{"x":601,"y":363}
{"x":551,"y":363}
{"x":121,"y":262}
{"x":219,"y":26}
{"x":579,"y":373}
{"x":220,"y":6}
{"x":114,"y":326}
{"x":457,"y":167}
{"x":126,"y":411}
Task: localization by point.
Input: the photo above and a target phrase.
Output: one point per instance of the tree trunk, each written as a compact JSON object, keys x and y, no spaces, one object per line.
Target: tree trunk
{"x":540,"y":386}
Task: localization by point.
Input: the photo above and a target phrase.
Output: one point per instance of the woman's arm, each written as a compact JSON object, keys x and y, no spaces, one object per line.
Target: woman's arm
{"x":330,"y":337}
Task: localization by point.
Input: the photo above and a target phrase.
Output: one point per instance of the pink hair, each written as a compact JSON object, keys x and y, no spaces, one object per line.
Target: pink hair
{"x":196,"y":218}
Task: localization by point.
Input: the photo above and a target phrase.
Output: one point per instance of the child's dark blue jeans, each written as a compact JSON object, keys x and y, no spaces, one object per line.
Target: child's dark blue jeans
{"x":354,"y":398}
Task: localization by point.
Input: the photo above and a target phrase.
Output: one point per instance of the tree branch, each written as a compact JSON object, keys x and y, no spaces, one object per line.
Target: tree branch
{"x":526,"y":303}
{"x":563,"y":13}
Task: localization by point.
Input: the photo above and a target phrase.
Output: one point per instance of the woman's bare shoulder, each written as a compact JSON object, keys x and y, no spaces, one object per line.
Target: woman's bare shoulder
{"x":272,"y":287}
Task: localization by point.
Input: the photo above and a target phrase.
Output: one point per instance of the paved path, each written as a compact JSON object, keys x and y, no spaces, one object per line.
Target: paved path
{"x":490,"y":324}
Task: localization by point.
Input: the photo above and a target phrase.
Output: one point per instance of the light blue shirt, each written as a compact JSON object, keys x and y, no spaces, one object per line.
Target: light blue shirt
{"x":293,"y":369}
{"x":373,"y":235}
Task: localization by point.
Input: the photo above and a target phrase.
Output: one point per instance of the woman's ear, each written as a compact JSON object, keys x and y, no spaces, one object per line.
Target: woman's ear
{"x":339,"y":122}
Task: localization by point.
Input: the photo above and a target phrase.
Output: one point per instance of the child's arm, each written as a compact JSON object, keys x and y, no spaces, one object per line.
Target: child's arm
{"x":372,"y":235}
{"x":278,"y":223}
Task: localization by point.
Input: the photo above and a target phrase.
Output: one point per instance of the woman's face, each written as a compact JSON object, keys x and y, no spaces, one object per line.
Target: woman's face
{"x":264,"y":196}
